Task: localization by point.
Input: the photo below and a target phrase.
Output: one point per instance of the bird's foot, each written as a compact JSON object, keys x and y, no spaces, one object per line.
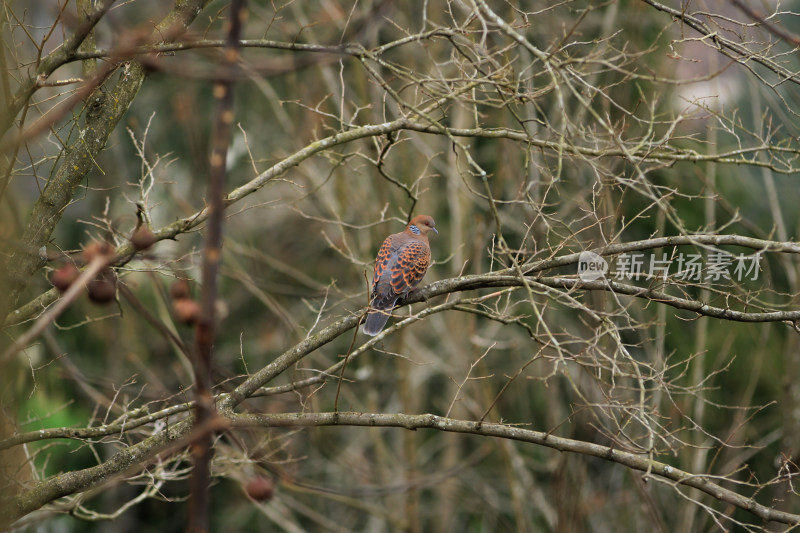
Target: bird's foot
{"x":416,"y":293}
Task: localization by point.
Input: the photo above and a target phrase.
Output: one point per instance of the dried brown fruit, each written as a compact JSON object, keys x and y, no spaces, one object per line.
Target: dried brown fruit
{"x":101,"y":290}
{"x":96,"y":248}
{"x":186,"y":311}
{"x":64,"y":276}
{"x":142,"y":238}
{"x":260,"y":488}
{"x":179,"y":290}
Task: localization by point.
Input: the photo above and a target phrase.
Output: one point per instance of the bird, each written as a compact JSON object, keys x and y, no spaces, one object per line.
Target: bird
{"x":400,"y":265}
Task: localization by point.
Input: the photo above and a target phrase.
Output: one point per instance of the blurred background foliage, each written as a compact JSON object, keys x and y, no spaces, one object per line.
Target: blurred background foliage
{"x":298,"y":253}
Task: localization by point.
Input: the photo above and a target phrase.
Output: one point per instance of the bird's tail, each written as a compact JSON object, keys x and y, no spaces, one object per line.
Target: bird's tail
{"x":377,"y":317}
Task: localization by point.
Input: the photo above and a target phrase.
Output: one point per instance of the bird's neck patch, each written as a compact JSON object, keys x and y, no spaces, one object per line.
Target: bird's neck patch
{"x":413,"y":229}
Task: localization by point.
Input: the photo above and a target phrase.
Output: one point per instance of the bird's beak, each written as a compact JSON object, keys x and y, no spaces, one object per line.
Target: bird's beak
{"x":436,"y":231}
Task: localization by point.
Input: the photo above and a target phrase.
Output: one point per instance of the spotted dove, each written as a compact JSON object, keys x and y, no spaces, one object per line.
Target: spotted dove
{"x":401,"y":263}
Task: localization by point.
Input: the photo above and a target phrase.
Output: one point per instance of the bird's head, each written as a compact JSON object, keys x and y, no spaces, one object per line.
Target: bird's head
{"x":422,"y":225}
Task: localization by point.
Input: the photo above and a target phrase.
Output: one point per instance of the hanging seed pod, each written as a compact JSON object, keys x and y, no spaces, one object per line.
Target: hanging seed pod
{"x":180,"y":290}
{"x":64,"y":276}
{"x":186,"y":311}
{"x":142,"y":238}
{"x":96,"y":248}
{"x":260,"y":489}
{"x":103,"y":289}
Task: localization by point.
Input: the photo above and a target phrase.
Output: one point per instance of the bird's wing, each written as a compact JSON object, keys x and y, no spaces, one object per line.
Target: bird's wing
{"x":409,"y":267}
{"x":385,"y":255}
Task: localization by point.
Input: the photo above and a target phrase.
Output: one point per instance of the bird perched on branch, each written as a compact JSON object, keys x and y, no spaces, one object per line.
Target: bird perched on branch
{"x":401,"y":263}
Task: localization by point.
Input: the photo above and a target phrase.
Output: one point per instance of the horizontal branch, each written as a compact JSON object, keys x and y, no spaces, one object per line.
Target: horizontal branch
{"x":351,"y":49}
{"x":484,"y":281}
{"x":78,"y":481}
{"x":661,"y":297}
{"x":704,"y":240}
{"x":129,"y":421}
{"x":642,"y":463}
{"x":29,"y":500}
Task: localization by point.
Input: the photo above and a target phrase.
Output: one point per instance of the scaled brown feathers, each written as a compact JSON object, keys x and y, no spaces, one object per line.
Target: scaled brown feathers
{"x":401,"y":264}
